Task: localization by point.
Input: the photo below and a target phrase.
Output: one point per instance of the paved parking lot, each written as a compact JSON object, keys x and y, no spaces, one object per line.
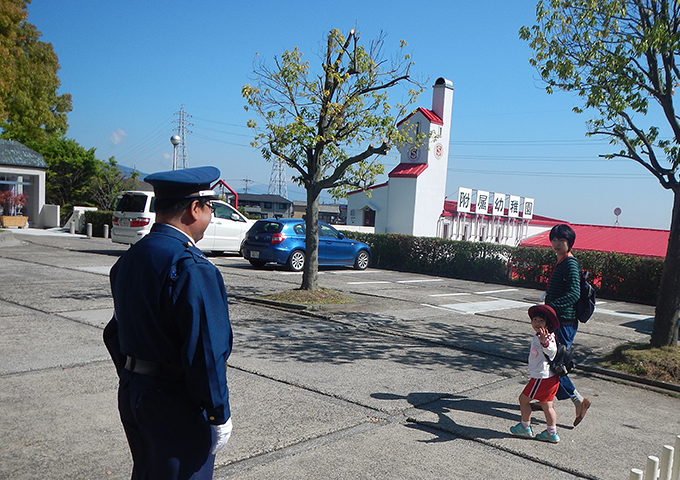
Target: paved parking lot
{"x":418,"y":378}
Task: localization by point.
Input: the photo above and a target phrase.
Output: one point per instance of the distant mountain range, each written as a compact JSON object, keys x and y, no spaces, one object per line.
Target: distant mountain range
{"x":128,"y":171}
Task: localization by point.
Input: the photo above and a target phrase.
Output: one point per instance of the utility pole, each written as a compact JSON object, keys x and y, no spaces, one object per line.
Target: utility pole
{"x":277,"y":180}
{"x":247,"y":181}
{"x":182,"y":157}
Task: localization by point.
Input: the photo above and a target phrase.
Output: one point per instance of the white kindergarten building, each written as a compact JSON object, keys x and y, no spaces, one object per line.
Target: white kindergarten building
{"x":412,"y":201}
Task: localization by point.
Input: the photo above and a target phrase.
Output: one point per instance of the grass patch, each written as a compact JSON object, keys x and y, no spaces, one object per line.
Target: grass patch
{"x":662,"y":364}
{"x":323,"y":296}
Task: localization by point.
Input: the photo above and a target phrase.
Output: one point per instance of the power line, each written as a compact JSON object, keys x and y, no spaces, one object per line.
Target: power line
{"x":523,"y":158}
{"x":630,"y":176}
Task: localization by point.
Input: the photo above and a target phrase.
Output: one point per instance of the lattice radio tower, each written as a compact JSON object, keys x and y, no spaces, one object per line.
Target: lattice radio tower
{"x":182,"y":155}
{"x":277,"y":180}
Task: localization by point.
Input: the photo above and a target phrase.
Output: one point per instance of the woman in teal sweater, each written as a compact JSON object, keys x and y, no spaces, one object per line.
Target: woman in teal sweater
{"x":564,"y":289}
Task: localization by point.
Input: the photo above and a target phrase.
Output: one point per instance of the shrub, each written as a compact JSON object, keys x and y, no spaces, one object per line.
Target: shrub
{"x":98,"y":218}
{"x":614,"y":275}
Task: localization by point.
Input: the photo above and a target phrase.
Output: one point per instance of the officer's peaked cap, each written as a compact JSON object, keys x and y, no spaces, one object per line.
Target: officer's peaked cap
{"x":183,"y":183}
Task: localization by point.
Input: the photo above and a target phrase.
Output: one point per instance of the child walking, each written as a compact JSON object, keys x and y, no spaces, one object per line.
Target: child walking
{"x":544,"y":383}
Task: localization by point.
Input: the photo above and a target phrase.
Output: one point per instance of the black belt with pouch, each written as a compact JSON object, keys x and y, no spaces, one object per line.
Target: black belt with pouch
{"x":153,"y":369}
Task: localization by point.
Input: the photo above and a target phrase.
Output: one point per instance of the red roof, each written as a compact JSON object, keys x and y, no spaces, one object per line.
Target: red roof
{"x":631,"y":241}
{"x":428,"y":114}
{"x":409,"y":170}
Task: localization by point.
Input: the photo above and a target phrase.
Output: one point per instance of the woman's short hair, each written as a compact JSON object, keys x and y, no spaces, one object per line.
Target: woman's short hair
{"x":564,"y":232}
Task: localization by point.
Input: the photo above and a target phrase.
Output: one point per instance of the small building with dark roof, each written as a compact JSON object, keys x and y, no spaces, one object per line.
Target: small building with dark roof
{"x":22,"y":170}
{"x":265,"y":205}
{"x":332,"y":213}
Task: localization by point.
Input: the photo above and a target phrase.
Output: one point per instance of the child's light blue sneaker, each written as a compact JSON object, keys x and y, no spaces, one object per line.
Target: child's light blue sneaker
{"x":544,"y":436}
{"x":522,"y":431}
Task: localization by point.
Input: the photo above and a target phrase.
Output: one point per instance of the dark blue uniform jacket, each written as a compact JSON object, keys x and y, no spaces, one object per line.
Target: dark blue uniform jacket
{"x":171,"y":308}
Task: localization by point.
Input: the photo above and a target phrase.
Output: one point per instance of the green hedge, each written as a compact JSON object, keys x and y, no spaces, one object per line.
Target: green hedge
{"x":98,"y":218}
{"x":614,"y":276}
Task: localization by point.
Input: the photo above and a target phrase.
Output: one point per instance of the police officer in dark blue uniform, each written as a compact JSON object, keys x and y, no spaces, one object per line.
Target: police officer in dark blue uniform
{"x":170,"y":336}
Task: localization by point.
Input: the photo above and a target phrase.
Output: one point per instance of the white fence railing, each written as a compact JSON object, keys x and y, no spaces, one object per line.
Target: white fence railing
{"x":668,"y":468}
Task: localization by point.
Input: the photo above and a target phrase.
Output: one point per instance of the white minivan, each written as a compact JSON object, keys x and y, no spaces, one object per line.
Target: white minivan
{"x":134,"y":215}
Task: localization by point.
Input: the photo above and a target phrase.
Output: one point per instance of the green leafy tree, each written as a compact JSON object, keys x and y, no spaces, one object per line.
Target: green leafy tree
{"x":109,"y":182}
{"x":329,"y":126}
{"x":12,"y":13}
{"x":620,"y":57}
{"x":30,"y":108}
{"x":71,"y":171}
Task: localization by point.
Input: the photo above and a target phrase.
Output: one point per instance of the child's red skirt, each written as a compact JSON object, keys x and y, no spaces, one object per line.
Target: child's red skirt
{"x":542,"y":389}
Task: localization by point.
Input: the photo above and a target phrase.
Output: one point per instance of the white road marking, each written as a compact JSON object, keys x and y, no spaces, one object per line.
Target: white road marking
{"x":352,"y":271}
{"x":480,"y":307}
{"x":295,"y":273}
{"x":496,"y":291}
{"x":635,"y":316}
{"x":449,"y":294}
{"x":420,"y":281}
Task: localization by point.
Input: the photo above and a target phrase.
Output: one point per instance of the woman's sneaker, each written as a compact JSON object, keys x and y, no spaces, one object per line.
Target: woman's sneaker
{"x":544,"y":436}
{"x":522,"y":431}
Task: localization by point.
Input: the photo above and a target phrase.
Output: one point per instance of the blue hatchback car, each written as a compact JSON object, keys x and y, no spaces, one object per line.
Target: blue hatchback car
{"x":283,"y":241}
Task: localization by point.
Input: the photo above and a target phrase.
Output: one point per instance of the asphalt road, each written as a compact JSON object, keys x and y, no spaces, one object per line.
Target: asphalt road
{"x":418,"y":378}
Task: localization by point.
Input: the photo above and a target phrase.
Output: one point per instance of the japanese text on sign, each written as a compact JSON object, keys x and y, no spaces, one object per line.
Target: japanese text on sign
{"x":464,"y":199}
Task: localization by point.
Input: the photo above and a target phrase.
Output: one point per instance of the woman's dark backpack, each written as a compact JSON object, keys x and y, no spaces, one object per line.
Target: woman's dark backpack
{"x":585,"y":305}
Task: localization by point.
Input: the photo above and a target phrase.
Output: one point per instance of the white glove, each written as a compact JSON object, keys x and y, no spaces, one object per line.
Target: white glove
{"x":222,"y":434}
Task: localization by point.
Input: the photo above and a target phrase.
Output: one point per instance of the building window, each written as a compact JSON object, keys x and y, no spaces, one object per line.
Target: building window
{"x":283,"y":206}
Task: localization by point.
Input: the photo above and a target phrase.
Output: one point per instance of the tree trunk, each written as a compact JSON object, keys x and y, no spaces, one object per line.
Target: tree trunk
{"x":665,"y":332}
{"x":310,"y":273}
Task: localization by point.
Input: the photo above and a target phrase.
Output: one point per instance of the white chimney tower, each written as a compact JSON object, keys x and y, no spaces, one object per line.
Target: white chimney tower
{"x":417,"y":186}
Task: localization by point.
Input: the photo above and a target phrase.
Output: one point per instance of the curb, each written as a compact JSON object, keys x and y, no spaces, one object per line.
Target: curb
{"x":630,"y":378}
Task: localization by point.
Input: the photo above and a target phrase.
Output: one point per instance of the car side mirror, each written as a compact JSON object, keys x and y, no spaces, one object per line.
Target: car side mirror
{"x":235,"y":217}
{"x":340,"y":236}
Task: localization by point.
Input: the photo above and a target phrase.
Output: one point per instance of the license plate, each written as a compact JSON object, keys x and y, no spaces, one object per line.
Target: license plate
{"x":124,"y":222}
{"x":254,"y":254}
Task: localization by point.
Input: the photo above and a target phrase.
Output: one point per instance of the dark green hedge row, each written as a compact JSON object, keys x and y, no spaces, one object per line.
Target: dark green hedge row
{"x":98,"y":218}
{"x":615,"y":276}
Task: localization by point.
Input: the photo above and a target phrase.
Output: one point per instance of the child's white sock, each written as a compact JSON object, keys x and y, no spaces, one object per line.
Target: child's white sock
{"x":552,"y":429}
{"x":526,"y":424}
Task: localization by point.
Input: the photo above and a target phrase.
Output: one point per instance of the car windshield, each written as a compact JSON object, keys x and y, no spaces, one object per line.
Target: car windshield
{"x":225,"y":211}
{"x":132,"y":203}
{"x":264,"y":226}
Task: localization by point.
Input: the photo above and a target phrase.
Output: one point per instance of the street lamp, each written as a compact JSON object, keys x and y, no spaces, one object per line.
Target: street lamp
{"x":175,"y":141}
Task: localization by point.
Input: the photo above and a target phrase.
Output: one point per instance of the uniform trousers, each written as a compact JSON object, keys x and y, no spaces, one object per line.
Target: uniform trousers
{"x":169,"y":437}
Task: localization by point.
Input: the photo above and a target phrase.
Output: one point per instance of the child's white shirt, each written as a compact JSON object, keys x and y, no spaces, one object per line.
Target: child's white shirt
{"x":538,"y":364}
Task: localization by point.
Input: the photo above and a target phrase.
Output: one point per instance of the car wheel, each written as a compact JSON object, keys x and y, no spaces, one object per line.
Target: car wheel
{"x":257,"y":263}
{"x":361,"y":260}
{"x":296,"y":261}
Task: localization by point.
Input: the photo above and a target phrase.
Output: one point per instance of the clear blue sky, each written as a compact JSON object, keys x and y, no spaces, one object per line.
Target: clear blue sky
{"x":130,"y":65}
